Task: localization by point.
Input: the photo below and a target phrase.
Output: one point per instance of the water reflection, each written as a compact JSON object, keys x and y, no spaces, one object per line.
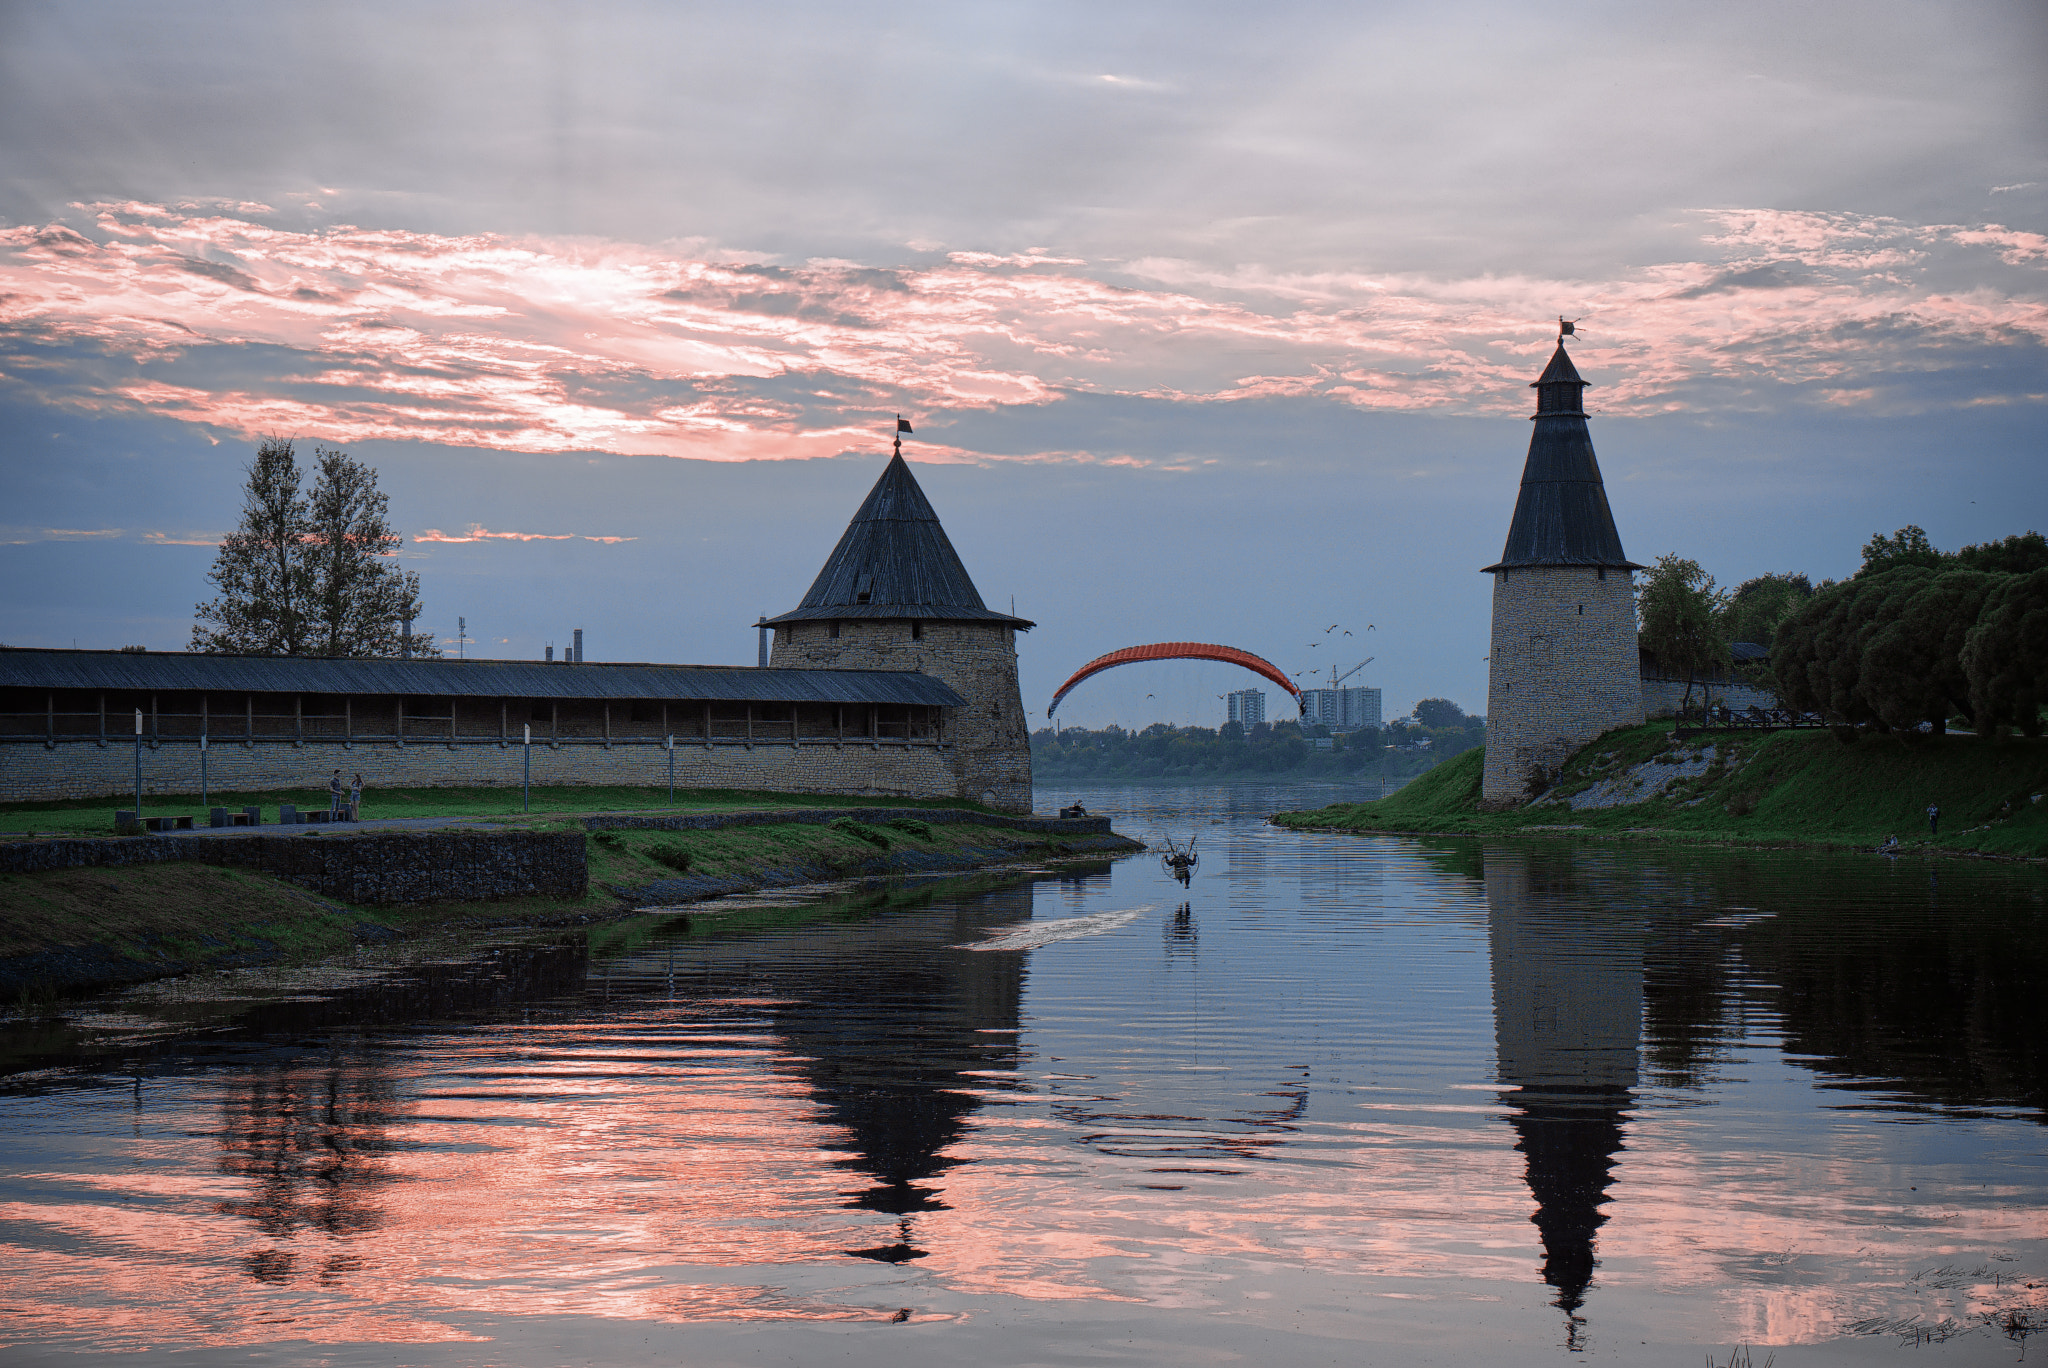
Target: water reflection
{"x":314,"y":1144}
{"x":1372,"y":1090}
{"x":1567,"y":1008}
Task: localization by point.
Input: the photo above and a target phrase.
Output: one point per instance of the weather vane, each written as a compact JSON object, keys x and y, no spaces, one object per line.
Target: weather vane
{"x":901,"y":427}
{"x":1566,"y":327}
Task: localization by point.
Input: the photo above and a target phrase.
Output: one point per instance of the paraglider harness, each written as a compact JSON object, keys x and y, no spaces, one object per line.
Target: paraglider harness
{"x":1180,"y":861}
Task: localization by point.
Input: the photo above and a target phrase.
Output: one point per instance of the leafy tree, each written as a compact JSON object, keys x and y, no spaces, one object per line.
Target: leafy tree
{"x":1439,"y":712}
{"x":2016,"y":555}
{"x":1682,"y":619}
{"x":1911,"y":666}
{"x":1906,"y":547}
{"x":260,"y":570}
{"x":2006,"y":655}
{"x":1758,"y":605}
{"x":310,"y":576}
{"x":358,"y":600}
{"x":1817,"y":657}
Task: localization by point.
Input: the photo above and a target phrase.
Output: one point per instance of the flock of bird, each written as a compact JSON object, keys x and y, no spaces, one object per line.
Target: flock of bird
{"x":1333,"y":627}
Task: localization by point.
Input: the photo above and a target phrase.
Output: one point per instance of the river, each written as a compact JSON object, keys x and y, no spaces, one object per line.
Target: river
{"x":1359,"y":1100}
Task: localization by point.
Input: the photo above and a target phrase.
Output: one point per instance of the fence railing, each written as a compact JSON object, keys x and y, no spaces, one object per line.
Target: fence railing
{"x":1693,"y":720}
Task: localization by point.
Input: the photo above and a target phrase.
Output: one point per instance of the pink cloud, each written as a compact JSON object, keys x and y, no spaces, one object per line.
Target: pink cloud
{"x":539,"y":345}
{"x":478,"y":532}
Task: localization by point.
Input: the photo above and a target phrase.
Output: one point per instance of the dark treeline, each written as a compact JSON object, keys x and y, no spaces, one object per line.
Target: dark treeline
{"x":1921,"y":635}
{"x":1264,"y":750}
{"x":1917,"y":635}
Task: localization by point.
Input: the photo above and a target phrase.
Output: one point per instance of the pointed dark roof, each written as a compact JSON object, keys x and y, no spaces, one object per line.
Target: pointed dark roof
{"x":1561,"y":515}
{"x":895,"y":562}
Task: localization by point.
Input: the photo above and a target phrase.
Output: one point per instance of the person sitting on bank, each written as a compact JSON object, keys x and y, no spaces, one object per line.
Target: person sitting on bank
{"x":334,"y":797}
{"x":1933,"y":820}
{"x":355,"y":798}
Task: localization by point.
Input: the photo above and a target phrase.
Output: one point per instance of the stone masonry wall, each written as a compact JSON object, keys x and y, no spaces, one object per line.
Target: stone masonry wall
{"x":370,"y":867}
{"x":990,"y":746}
{"x":30,"y":771}
{"x":1563,"y":670}
{"x":1661,"y":697}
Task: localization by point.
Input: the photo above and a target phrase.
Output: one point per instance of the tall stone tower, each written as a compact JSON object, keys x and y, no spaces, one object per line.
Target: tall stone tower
{"x":894,"y":596}
{"x":1563,"y":666}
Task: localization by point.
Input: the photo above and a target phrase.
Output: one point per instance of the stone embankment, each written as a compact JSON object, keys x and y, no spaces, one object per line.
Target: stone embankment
{"x":373,"y":868}
{"x":86,"y":913}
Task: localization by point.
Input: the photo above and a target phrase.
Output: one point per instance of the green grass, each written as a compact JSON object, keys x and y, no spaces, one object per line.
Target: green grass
{"x":175,"y":916}
{"x":1778,"y":788}
{"x":95,"y":816}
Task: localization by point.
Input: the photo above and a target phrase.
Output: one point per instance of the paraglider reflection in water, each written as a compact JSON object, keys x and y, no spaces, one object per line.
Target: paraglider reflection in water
{"x":1180,"y":861}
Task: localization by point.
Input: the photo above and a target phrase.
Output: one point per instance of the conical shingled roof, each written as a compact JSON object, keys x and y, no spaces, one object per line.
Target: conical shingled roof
{"x":1561,"y":515}
{"x":895,"y":562}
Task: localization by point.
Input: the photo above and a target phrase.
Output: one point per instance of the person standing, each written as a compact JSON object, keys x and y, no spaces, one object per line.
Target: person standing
{"x":355,"y":798}
{"x":1933,"y":820}
{"x":334,"y":797}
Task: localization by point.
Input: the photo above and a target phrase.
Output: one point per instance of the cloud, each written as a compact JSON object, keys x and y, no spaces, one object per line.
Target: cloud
{"x":532,"y":344}
{"x":478,"y":533}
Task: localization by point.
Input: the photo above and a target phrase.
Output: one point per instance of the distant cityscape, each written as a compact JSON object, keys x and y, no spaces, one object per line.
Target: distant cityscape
{"x":1341,"y":710}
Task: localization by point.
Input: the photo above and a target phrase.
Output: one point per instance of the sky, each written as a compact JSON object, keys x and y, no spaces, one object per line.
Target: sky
{"x":1214,"y":322}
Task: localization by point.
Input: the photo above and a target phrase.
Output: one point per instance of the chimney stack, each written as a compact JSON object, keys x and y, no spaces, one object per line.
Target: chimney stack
{"x":579,"y":645}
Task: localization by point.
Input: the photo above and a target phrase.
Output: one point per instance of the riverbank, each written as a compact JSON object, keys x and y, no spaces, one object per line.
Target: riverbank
{"x":1791,"y":788}
{"x":99,"y":925}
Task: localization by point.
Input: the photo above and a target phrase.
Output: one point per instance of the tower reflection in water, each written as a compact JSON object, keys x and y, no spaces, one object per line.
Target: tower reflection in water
{"x":1567,"y":1008}
{"x":892,"y":1028}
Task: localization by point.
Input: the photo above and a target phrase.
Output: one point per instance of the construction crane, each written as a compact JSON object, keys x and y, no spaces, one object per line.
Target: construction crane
{"x":1337,"y":680}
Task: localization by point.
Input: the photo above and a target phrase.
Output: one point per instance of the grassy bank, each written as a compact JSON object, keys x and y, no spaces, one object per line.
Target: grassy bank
{"x":66,"y":930}
{"x":95,"y":816}
{"x":1777,"y":788}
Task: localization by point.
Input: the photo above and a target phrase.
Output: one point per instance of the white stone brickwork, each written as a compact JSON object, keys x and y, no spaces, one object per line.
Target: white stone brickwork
{"x":1563,"y":670}
{"x":987,"y":741}
{"x":1661,"y":697}
{"x":30,"y":771}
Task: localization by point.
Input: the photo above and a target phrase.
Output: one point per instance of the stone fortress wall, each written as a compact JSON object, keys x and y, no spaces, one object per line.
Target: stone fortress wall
{"x":33,"y":771}
{"x":988,"y":745}
{"x":1563,"y":670}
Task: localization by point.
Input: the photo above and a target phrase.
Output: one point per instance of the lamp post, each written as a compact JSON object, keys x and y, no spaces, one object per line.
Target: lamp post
{"x":202,"y":769}
{"x":138,"y":767}
{"x":526,"y":778}
{"x":669,"y":745}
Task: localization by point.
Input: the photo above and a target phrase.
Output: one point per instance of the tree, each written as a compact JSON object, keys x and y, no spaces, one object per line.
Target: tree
{"x":311,"y":576}
{"x":358,"y":600}
{"x":2016,"y":555}
{"x":2006,"y":655}
{"x":1906,"y":547}
{"x":1439,"y":712}
{"x":1911,"y":668}
{"x":260,"y":570}
{"x":1817,"y":656}
{"x":1758,"y":605}
{"x":1682,"y":619}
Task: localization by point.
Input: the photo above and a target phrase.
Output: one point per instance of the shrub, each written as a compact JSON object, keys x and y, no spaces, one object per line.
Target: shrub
{"x":608,"y":839}
{"x":912,"y":826}
{"x":670,"y":854}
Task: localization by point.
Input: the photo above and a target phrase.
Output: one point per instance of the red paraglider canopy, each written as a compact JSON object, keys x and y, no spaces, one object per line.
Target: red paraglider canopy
{"x":1177,"y":650}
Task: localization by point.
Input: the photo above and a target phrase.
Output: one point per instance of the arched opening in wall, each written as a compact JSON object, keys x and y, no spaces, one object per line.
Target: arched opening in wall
{"x":916,"y":630}
{"x":832,"y":629}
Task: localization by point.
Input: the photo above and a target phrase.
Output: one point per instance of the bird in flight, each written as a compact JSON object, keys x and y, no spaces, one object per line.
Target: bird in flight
{"x":1329,"y":629}
{"x":1347,"y":631}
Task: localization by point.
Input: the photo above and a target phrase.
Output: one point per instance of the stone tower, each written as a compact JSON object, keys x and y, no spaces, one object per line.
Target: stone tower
{"x":1563,"y":666}
{"x":894,"y":596}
